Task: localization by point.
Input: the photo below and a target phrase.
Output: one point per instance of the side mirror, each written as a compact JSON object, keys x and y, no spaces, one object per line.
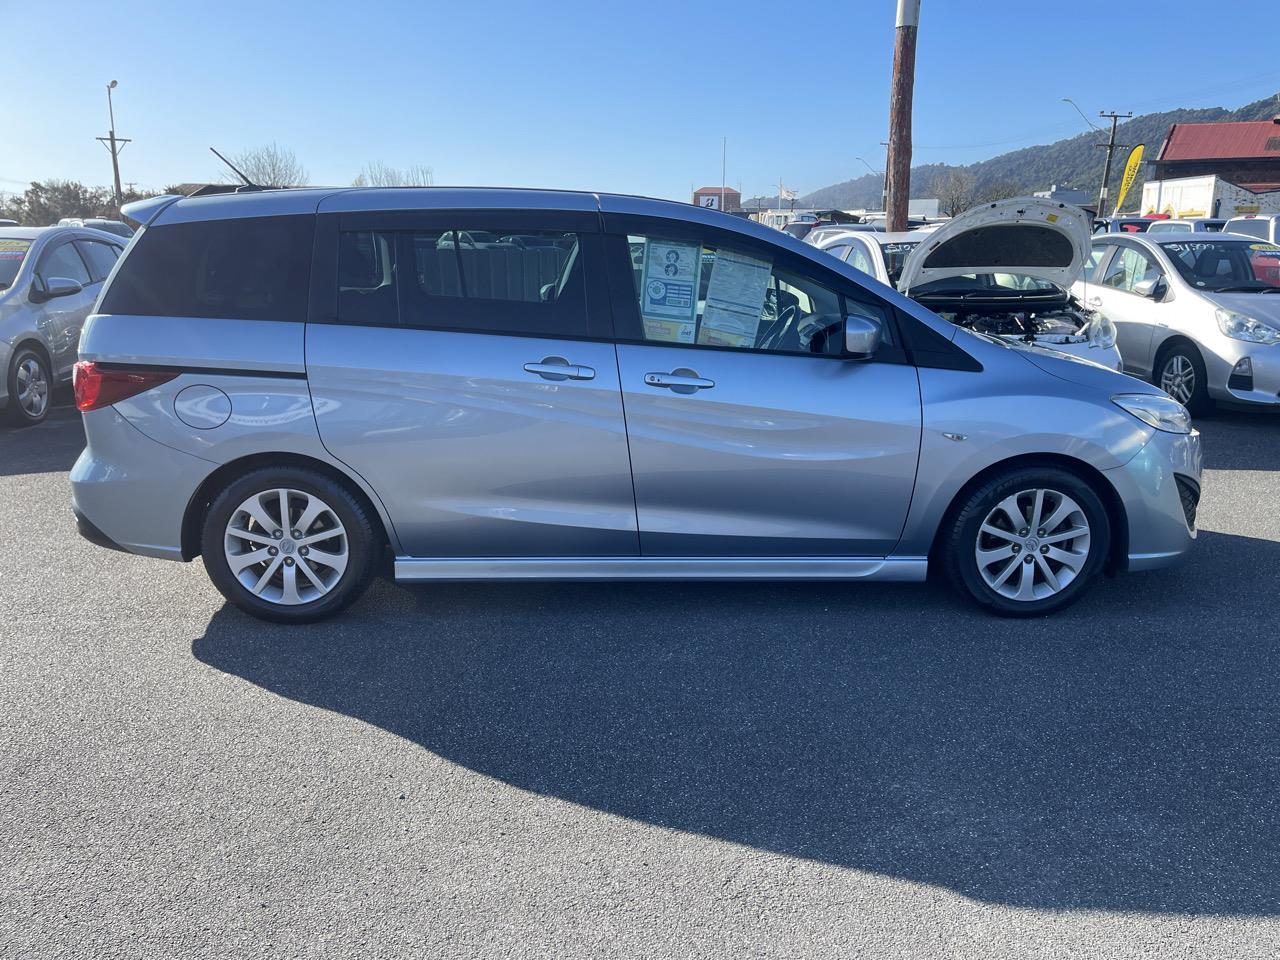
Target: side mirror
{"x":55,"y":287}
{"x":1151,"y":289}
{"x":861,"y":337}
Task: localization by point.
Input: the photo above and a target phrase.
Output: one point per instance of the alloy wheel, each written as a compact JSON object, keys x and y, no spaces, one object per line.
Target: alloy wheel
{"x":1033,"y":544}
{"x":33,"y":388}
{"x":286,"y":546}
{"x":1178,"y":378}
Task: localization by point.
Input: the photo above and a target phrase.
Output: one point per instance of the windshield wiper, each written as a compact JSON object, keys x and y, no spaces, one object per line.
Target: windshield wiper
{"x":1241,"y":288}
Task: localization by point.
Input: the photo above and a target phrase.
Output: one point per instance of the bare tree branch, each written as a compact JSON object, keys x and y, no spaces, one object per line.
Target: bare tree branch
{"x":270,"y":166}
{"x":379,"y":174}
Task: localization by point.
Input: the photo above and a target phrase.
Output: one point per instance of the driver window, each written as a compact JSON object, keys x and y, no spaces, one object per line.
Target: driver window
{"x":1129,"y":268}
{"x":64,"y":263}
{"x":703,"y":295}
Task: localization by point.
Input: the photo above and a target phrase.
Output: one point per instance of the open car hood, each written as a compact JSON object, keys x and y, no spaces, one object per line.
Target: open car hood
{"x":1030,"y":236}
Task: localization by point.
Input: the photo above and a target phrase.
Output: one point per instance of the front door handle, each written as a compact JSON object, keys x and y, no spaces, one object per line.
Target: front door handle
{"x":679,"y":380}
{"x":558,"y":368}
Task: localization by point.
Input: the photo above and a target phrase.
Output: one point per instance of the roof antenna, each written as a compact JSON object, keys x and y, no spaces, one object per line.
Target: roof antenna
{"x":236,"y":170}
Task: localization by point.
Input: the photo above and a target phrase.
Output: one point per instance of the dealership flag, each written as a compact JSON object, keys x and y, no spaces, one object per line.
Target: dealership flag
{"x":1130,"y":174}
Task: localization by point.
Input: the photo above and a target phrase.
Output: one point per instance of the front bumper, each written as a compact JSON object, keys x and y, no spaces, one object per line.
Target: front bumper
{"x":1261,"y":389}
{"x":1160,"y":489}
{"x":129,"y":492}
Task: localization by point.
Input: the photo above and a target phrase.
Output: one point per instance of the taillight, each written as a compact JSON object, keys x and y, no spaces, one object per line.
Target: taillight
{"x":97,"y":387}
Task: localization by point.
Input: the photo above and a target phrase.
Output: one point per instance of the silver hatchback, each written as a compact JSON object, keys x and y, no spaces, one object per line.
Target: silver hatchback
{"x":49,"y":279}
{"x":507,"y":384}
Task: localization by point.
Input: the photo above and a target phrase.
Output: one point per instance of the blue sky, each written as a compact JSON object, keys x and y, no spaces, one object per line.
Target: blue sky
{"x":631,"y":97}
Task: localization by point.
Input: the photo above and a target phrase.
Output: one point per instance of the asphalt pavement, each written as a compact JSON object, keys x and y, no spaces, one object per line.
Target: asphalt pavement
{"x":642,"y":770}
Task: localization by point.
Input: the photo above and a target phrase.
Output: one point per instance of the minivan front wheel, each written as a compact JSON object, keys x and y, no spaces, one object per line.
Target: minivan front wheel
{"x":1028,"y":542}
{"x":288,"y":544}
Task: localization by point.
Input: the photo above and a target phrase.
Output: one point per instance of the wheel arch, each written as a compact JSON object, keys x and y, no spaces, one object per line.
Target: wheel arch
{"x":1167,"y":344}
{"x":33,"y":341}
{"x":198,"y":505}
{"x":1117,"y":516}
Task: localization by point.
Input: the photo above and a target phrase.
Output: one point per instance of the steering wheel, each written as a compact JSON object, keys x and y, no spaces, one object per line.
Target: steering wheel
{"x":778,"y":327}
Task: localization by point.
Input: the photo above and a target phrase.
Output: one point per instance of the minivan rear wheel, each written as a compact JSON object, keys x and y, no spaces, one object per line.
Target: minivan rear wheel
{"x":288,"y":544}
{"x":30,"y":386}
{"x":1028,"y":542}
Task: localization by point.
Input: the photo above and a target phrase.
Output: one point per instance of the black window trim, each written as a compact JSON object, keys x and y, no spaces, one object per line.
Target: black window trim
{"x":85,"y":257}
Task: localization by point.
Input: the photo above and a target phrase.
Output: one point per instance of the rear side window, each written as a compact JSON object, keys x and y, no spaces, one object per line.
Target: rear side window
{"x":492,"y":280}
{"x":1253,"y":228}
{"x":256,"y":268}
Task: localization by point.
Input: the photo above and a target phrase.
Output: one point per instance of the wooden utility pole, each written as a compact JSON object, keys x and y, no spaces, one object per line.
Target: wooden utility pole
{"x":1110,"y":146}
{"x":898,"y":164}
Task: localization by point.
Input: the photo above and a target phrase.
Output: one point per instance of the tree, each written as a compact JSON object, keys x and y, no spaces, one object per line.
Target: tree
{"x":1000,"y":189}
{"x":48,"y":201}
{"x":378,"y":174}
{"x":270,"y":166}
{"x":954,"y":189}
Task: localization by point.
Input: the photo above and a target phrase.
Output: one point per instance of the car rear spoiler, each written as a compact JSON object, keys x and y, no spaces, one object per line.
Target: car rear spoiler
{"x":143,"y":212}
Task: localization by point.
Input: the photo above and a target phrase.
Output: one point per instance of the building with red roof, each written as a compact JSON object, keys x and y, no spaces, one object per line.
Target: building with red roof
{"x":1246,"y":153}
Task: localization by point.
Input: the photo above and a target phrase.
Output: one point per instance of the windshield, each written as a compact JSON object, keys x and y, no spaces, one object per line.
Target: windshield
{"x":994,"y":284}
{"x":1229,"y":265}
{"x":12,"y":253}
{"x":895,"y":255}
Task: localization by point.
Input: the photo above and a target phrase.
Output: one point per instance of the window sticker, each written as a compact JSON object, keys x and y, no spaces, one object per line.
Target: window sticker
{"x":1263,"y":246}
{"x":735,"y":300}
{"x":669,"y":290}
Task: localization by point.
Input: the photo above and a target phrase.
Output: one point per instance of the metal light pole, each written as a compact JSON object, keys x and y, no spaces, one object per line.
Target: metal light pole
{"x":114,"y":144}
{"x":882,"y":174}
{"x":898,"y":164}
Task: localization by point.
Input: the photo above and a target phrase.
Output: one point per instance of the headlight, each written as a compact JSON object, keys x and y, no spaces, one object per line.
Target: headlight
{"x":1239,"y":327}
{"x":1102,"y":332}
{"x":1163,"y":413}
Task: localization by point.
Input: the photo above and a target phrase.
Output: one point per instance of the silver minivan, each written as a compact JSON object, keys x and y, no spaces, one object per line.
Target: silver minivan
{"x":495,"y":384}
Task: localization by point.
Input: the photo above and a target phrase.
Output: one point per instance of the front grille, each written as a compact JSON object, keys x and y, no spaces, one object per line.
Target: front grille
{"x":1189,"y":493}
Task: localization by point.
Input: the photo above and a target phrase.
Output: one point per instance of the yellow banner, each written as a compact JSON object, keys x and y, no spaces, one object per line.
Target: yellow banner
{"x":1130,"y":174}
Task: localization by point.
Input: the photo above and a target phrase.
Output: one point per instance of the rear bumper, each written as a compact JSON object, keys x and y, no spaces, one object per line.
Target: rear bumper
{"x":129,"y":492}
{"x":1160,"y":488}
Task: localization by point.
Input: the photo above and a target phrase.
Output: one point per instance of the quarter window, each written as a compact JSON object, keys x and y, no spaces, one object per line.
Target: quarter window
{"x":705,"y":295}
{"x":252,"y":268}
{"x":523,"y":282}
{"x":63,"y":262}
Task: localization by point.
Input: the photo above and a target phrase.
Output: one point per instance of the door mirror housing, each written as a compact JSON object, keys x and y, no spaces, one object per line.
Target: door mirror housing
{"x":861,"y":337}
{"x":54,"y":287}
{"x":1151,"y":289}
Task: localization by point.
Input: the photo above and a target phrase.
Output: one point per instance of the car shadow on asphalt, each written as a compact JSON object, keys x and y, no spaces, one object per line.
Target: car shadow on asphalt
{"x":49,"y":447}
{"x":1122,"y":755}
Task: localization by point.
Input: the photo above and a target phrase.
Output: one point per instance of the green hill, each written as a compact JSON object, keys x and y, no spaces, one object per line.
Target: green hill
{"x":1074,"y":162}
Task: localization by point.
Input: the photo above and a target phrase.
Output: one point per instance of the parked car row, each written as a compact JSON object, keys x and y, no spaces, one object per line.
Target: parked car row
{"x":290,"y":383}
{"x":1184,"y":303}
{"x":1004,"y":269}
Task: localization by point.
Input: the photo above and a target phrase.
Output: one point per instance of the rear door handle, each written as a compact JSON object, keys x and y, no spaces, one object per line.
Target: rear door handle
{"x":558,"y":368}
{"x":680,"y":380}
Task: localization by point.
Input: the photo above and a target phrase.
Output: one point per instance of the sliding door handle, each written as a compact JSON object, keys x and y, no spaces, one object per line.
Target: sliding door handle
{"x":558,"y":368}
{"x":680,"y":380}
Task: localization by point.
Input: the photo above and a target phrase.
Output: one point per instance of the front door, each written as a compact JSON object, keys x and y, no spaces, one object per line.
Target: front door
{"x":1135,"y":316}
{"x":459,"y":373}
{"x":61,"y":318}
{"x":751,"y":434}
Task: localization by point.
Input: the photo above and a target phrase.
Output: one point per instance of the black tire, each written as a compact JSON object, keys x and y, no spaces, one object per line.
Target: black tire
{"x":363,"y":545}
{"x":15,"y":413}
{"x":1199,"y":400}
{"x":963,"y":529}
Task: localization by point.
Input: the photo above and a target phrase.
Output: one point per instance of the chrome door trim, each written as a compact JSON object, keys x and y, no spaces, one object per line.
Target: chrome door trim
{"x":896,"y":569}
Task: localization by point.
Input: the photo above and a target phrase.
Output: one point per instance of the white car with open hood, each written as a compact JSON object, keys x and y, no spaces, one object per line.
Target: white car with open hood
{"x":1004,"y":269}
